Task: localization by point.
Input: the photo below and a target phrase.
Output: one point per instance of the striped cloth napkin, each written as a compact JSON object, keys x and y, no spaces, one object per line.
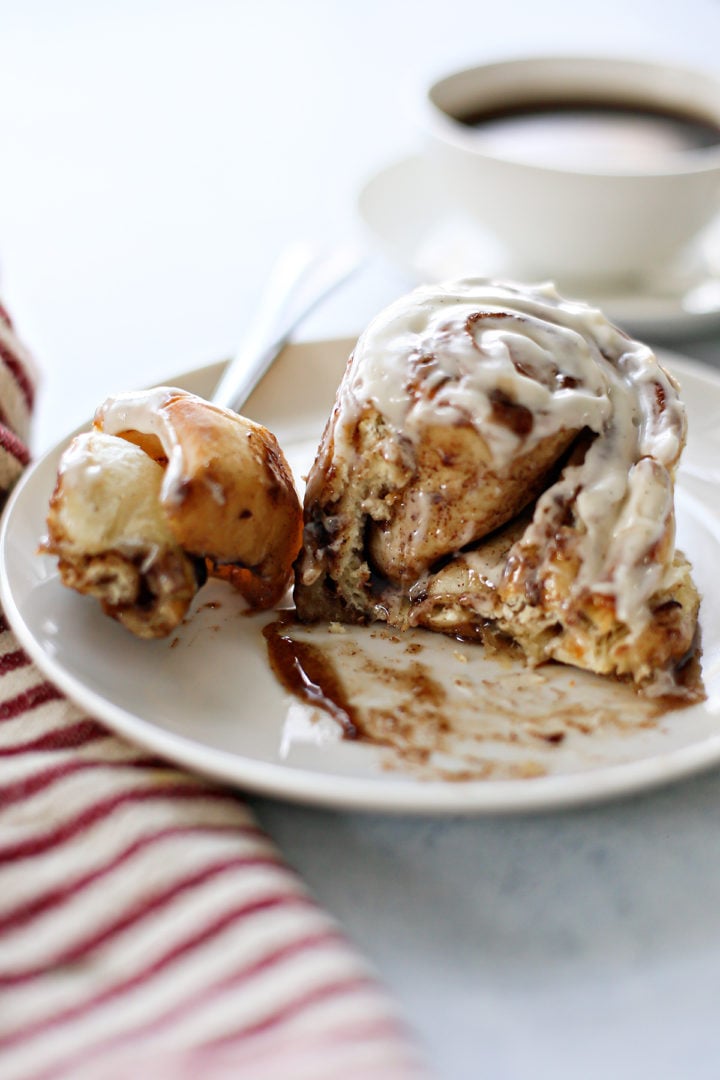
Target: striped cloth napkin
{"x":148,"y":928}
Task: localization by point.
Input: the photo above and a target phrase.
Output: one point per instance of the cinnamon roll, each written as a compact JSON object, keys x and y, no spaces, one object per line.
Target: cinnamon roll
{"x":166,"y":489}
{"x":500,"y":462}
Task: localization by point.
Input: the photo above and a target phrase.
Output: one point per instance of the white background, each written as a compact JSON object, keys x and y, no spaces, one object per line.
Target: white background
{"x":156,"y":157}
{"x":157,"y":154}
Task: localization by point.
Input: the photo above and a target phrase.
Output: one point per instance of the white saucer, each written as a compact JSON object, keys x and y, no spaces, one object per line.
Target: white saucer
{"x":413,"y":225}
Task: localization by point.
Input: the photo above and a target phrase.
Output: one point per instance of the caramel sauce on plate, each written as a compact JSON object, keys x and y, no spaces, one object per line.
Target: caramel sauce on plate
{"x":447,"y":712}
{"x":305,"y":671}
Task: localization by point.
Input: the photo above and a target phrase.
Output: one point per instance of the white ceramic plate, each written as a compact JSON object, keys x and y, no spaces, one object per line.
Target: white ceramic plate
{"x":415,"y":226}
{"x":489,"y":738}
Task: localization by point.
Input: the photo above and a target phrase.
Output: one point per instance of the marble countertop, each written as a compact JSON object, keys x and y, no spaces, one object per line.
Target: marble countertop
{"x":157,"y":158}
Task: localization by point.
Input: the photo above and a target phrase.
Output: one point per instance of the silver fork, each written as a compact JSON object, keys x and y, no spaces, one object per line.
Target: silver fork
{"x":299,"y":281}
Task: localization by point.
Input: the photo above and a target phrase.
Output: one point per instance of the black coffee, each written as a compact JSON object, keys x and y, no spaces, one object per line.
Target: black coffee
{"x":590,"y":133}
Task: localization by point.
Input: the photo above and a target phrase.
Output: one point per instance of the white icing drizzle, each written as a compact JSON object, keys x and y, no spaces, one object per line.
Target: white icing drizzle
{"x":443,"y":354}
{"x":147,"y":412}
{"x":143,"y":411}
{"x":79,"y":463}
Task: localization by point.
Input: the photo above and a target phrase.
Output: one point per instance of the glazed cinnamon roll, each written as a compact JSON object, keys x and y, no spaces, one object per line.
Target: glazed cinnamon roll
{"x":166,"y":489}
{"x":500,"y":461}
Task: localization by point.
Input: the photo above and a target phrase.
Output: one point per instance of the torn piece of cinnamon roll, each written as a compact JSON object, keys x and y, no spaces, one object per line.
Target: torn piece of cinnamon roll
{"x":501,"y":460}
{"x":165,"y":489}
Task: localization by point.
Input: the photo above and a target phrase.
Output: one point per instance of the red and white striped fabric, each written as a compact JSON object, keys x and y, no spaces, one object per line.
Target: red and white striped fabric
{"x":17,"y":393}
{"x":148,"y":928}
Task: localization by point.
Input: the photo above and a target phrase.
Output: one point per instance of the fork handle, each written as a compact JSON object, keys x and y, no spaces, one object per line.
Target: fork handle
{"x":299,"y":281}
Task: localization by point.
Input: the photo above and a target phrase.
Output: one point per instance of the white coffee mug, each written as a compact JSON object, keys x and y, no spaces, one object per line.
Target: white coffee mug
{"x":604,"y":215}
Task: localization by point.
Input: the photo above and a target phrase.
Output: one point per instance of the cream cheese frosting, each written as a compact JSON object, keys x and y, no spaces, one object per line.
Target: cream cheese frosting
{"x":143,"y":411}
